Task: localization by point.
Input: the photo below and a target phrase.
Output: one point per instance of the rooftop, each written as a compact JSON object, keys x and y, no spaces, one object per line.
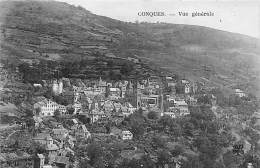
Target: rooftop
{"x":40,"y":156}
{"x":52,"y":147}
{"x":114,"y":89}
{"x":130,"y":154}
{"x":126,"y":132}
{"x":59,"y":131}
{"x":44,"y":103}
{"x":74,"y":121}
{"x":61,"y":159}
{"x":42,"y":136}
{"x":84,"y":128}
{"x":180,"y":103}
{"x":239,"y":91}
{"x":13,"y":156}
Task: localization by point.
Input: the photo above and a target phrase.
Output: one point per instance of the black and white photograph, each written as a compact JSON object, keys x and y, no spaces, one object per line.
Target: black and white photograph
{"x":129,"y":84}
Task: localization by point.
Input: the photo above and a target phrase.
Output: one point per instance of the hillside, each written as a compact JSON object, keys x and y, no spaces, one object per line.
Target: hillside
{"x":58,"y":31}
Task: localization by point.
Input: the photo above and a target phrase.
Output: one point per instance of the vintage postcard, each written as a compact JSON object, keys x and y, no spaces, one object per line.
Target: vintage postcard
{"x":129,"y":84}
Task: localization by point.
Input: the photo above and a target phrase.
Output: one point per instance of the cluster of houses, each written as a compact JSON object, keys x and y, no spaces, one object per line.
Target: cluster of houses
{"x":6,"y":75}
{"x":240,"y":93}
{"x":58,"y":144}
{"x":149,"y":93}
{"x":47,"y":108}
{"x":179,"y":97}
{"x":100,"y":99}
{"x":96,"y":99}
{"x":16,"y":159}
{"x":176,"y":107}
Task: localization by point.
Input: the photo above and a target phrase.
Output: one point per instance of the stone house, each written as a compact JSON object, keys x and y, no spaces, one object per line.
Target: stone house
{"x":126,"y":135}
{"x":47,"y":108}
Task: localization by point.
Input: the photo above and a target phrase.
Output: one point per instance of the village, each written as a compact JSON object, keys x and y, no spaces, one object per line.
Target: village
{"x":84,"y":87}
{"x":66,"y":113}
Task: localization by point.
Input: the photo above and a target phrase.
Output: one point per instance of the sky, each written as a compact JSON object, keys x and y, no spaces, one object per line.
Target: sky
{"x":235,"y":16}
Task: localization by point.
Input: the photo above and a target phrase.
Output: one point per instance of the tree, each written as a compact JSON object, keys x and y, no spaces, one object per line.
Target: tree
{"x":222,"y":100}
{"x":152,"y":115}
{"x":24,"y":68}
{"x":94,"y":152}
{"x":177,"y":150}
{"x":164,"y":157}
{"x":205,"y":99}
{"x":165,"y":121}
{"x":84,"y":163}
{"x":70,"y":110}
{"x":126,"y":69}
{"x":29,"y":112}
{"x":61,"y":100}
{"x":175,"y":129}
{"x":170,"y":126}
{"x":99,"y":164}
{"x":205,"y":113}
{"x":147,"y":162}
{"x":83,"y":118}
{"x":57,"y":113}
{"x":37,"y":111}
{"x":206,"y":160}
{"x":140,"y":111}
{"x":48,"y":94}
{"x":137,"y":129}
{"x":188,"y":128}
{"x":159,"y":141}
{"x":130,"y":164}
{"x":112,"y":75}
{"x":192,"y":162}
{"x":110,"y":63}
{"x":179,"y":88}
{"x":194,"y":109}
{"x":234,"y":100}
{"x":36,"y":147}
{"x":30,"y":122}
{"x":209,"y":150}
{"x":249,"y":158}
{"x":135,"y":122}
{"x":71,"y":157}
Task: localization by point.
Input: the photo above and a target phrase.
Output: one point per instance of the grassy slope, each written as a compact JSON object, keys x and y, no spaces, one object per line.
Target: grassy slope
{"x":55,"y":27}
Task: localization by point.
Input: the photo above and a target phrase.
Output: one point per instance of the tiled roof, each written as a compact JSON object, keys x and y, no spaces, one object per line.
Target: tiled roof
{"x":84,"y":128}
{"x":61,"y":159}
{"x":114,"y":89}
{"x":130,"y":154}
{"x":40,"y":156}
{"x":51,"y":147}
{"x":42,"y":136}
{"x":75,"y":121}
{"x":13,"y":156}
{"x":47,"y":166}
{"x":59,"y":131}
{"x":126,"y":132}
{"x":44,"y":102}
{"x":116,"y":131}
